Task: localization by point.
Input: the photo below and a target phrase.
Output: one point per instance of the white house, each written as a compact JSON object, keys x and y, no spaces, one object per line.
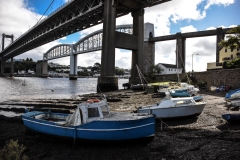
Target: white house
{"x":169,"y":69}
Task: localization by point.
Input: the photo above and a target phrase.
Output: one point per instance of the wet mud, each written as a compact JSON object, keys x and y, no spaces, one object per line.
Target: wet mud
{"x":207,"y":136}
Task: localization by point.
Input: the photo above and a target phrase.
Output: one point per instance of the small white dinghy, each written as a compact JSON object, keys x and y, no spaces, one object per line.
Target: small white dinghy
{"x":174,"y":107}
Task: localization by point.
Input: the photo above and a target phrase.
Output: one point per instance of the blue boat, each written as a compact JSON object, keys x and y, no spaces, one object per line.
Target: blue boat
{"x":231,"y":117}
{"x":180,"y":93}
{"x":198,"y":98}
{"x":92,"y":121}
{"x":232,"y":94}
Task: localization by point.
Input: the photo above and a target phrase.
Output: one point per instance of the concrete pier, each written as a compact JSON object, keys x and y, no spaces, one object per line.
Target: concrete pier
{"x":73,"y":65}
{"x":107,"y":81}
{"x":42,"y":69}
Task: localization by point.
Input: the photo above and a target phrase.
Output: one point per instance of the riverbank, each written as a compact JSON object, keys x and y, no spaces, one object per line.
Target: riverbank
{"x":207,"y":136}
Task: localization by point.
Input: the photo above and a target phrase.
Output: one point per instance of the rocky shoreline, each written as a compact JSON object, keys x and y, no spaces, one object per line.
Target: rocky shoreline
{"x":207,"y":136}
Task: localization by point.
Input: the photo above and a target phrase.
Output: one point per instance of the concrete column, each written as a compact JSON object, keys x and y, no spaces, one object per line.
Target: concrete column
{"x":73,"y":65}
{"x":180,"y":52}
{"x":39,"y":68}
{"x":137,"y":55}
{"x":2,"y":66}
{"x":12,"y":67}
{"x":220,"y":36}
{"x":107,"y":81}
{"x":108,"y":43}
{"x":149,"y":48}
{"x":44,"y":69}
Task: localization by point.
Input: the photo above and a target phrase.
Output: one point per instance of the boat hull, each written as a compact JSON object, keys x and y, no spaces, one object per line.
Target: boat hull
{"x":175,"y":112}
{"x":233,"y":94}
{"x":96,"y":130}
{"x":231,"y":117}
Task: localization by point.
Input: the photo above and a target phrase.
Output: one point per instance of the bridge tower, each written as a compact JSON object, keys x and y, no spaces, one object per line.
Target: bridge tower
{"x":149,"y":48}
{"x":180,"y":51}
{"x":2,"y":59}
{"x":111,"y":39}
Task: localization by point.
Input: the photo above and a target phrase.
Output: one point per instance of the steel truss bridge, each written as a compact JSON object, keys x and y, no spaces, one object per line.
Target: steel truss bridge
{"x":90,"y":43}
{"x":73,"y":16}
{"x":93,"y":41}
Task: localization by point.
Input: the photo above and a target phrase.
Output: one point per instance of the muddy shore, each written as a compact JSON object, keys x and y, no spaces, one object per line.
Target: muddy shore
{"x":207,"y":136}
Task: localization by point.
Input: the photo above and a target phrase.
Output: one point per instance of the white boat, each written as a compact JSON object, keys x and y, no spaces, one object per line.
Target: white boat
{"x":235,"y":103}
{"x":233,"y":98}
{"x":175,"y":87}
{"x":232,"y":94}
{"x":174,"y":107}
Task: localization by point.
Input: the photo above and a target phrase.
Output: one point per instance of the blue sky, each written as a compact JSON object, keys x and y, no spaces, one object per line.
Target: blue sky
{"x":168,"y":18}
{"x":216,"y":15}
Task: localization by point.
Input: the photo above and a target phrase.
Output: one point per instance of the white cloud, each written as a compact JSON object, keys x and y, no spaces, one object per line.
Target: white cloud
{"x":63,"y":38}
{"x":162,"y":16}
{"x":218,"y":2}
{"x":175,"y":10}
{"x":16,"y":19}
{"x":188,"y":29}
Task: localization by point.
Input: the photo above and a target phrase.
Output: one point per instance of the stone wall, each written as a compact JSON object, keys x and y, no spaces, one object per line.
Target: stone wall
{"x":213,"y":78}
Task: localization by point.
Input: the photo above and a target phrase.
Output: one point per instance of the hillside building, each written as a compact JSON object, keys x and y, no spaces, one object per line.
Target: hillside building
{"x":169,"y":69}
{"x":225,"y":54}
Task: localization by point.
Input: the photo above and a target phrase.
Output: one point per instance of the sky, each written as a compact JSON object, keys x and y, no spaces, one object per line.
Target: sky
{"x":17,"y":16}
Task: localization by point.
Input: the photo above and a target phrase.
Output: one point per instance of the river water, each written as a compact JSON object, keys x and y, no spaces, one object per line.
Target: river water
{"x":40,"y":88}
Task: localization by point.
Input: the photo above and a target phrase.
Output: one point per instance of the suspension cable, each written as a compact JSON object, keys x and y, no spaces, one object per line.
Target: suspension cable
{"x":45,"y":11}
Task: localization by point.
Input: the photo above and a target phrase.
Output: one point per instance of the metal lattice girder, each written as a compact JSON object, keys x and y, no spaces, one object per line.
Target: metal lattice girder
{"x":58,"y":51}
{"x":92,"y":42}
{"x":73,"y":16}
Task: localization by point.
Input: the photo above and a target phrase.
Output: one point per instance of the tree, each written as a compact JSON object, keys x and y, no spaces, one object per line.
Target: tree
{"x":233,"y":40}
{"x":119,"y":71}
{"x":154,"y":70}
{"x":96,"y":67}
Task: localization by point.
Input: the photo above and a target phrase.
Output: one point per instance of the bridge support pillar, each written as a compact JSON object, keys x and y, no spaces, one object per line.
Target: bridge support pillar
{"x":73,"y":67}
{"x":44,"y":69}
{"x":149,"y":48}
{"x":137,"y":55}
{"x":12,"y":67}
{"x":180,"y":52}
{"x":2,"y":67}
{"x":220,"y":36}
{"x":107,"y":81}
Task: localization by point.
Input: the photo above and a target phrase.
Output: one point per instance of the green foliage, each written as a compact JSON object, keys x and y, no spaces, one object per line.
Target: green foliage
{"x":235,"y":63}
{"x":186,"y":77}
{"x":13,"y":151}
{"x":96,"y":67}
{"x":119,"y":71}
{"x":85,"y":73}
{"x":153,"y":70}
{"x":233,"y":40}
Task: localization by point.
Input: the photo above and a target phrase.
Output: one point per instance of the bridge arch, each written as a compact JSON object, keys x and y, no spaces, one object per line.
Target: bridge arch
{"x":89,"y":43}
{"x":93,"y":41}
{"x":58,"y":51}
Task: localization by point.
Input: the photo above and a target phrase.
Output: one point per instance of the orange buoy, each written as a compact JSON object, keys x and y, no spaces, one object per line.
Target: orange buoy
{"x":93,"y":100}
